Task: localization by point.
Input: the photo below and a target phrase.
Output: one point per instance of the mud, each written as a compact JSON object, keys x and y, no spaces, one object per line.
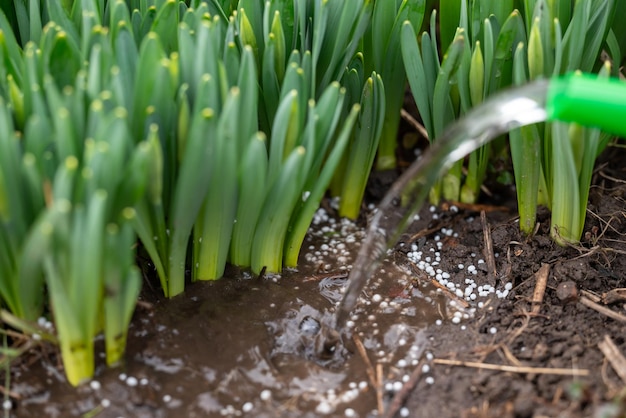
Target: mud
{"x":248,"y":346}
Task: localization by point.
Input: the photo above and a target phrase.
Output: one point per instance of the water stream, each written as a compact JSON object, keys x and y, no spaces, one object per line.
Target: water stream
{"x":501,"y":113}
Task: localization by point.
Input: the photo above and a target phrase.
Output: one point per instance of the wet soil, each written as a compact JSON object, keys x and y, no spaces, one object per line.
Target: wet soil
{"x":467,"y":343}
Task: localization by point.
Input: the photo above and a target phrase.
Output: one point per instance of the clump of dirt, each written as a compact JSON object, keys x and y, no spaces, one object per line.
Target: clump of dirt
{"x":449,"y":327}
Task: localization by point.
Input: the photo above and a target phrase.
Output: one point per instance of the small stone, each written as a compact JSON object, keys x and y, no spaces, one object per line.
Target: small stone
{"x":567,"y":291}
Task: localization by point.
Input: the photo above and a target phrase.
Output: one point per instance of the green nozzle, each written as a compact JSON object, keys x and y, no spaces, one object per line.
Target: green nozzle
{"x":589,"y":101}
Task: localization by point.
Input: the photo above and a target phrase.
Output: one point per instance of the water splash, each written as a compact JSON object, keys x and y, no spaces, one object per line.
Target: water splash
{"x":503,"y":112}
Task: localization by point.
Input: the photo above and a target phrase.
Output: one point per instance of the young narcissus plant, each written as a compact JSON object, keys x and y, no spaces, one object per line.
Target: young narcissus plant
{"x":553,"y":162}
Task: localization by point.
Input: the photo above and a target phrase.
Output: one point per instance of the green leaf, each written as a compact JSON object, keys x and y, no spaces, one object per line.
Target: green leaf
{"x":443,"y":113}
{"x":535,"y":52}
{"x":34,"y":19}
{"x":150,"y":56}
{"x":575,"y":35}
{"x":122,"y":284}
{"x":565,"y":189}
{"x":252,"y":178}
{"x":363,"y":149}
{"x":64,"y":60}
{"x":301,"y":218}
{"x":477,"y":76}
{"x":394,"y":78}
{"x":248,"y":85}
{"x":285,"y":132}
{"x":280,"y":201}
{"x":165,"y":25}
{"x":214,"y":224}
{"x":61,"y":17}
{"x":416,"y":74}
{"x":449,"y":18}
{"x":511,"y":34}
{"x":189,"y":193}
{"x":278,"y":37}
{"x":247,"y":34}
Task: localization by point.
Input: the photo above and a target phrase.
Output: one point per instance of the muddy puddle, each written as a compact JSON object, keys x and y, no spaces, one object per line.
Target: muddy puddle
{"x":249,"y":346}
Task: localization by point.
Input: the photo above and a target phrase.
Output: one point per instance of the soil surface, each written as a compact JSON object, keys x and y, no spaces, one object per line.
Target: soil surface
{"x":452,"y":326}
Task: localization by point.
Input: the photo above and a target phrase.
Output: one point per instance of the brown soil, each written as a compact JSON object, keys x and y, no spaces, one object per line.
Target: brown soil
{"x":243,"y":346}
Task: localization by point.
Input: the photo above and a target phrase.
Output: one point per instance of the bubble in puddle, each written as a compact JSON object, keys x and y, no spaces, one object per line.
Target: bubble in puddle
{"x":308,"y":333}
{"x":309,"y":326}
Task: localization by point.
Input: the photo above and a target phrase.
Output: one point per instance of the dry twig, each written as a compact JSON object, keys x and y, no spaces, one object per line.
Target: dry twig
{"x":509,"y":356}
{"x":614,"y":179}
{"x":375,"y":377}
{"x":602,"y":309}
{"x":514,"y":369}
{"x":488,"y":249}
{"x":614,"y":295}
{"x":540,"y":287}
{"x":144,"y":305}
{"x":368,"y":364}
{"x":401,"y":396}
{"x":379,"y":389}
{"x":414,"y":123}
{"x":7,"y":392}
{"x":591,"y":295}
{"x":615,"y":357}
{"x":426,"y":232}
{"x":320,"y":277}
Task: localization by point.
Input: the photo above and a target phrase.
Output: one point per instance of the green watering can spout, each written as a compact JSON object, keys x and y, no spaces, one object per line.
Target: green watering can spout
{"x":589,"y":101}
